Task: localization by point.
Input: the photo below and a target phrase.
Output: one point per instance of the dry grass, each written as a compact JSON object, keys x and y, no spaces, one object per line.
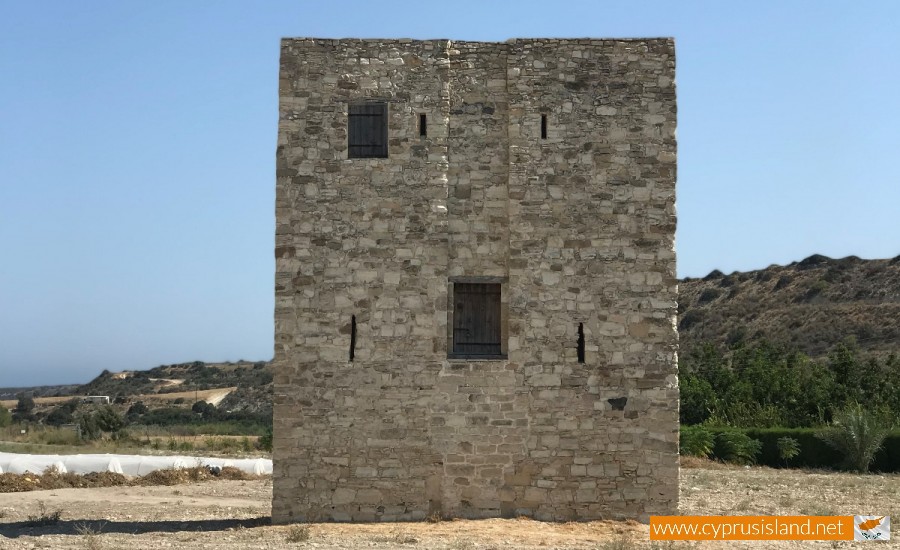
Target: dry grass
{"x":297,"y":533}
{"x":461,"y":544}
{"x":10,"y":403}
{"x":44,"y":516}
{"x":52,"y":479}
{"x":90,"y":537}
{"x":397,"y":537}
{"x":695,"y":462}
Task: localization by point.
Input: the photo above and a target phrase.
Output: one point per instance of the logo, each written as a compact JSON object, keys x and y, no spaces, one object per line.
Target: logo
{"x":871,"y":527}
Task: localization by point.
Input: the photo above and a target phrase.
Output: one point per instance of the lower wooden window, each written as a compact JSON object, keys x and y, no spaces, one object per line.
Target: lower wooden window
{"x":476,"y":320}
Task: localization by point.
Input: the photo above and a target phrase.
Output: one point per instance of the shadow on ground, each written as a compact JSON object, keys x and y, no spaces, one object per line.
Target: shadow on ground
{"x":80,"y":527}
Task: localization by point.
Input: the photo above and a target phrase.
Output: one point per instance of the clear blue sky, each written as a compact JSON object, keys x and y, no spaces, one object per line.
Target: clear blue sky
{"x":137,"y":146}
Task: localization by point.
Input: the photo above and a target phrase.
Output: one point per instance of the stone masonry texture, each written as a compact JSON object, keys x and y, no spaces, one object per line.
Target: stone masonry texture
{"x":577,"y":227}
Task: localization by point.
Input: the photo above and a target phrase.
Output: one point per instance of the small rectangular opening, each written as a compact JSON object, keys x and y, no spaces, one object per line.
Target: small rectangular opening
{"x":352,"y":337}
{"x":581,"y":342}
{"x":543,"y":126}
{"x":423,"y":125}
{"x":367,"y":130}
{"x":477,"y":314}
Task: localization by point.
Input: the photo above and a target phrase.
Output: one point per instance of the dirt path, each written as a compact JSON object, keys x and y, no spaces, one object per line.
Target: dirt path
{"x":168,"y":382}
{"x":235,"y":514}
{"x":213,"y":397}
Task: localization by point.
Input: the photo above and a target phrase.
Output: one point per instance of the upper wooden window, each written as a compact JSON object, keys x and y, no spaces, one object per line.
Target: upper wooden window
{"x":476,"y":320}
{"x":367,"y":135}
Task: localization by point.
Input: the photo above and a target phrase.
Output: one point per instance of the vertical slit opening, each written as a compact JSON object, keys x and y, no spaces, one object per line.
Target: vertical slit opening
{"x":352,"y":337}
{"x":543,"y":126}
{"x":581,"y":342}
{"x":423,"y":125}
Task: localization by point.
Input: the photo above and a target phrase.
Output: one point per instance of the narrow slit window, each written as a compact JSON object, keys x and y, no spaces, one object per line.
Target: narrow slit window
{"x":581,"y":342}
{"x":352,"y":337}
{"x":543,"y":126}
{"x":423,"y":125}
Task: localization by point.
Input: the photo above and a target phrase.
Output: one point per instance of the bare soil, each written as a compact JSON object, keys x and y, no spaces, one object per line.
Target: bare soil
{"x":213,"y":396}
{"x":53,"y":479}
{"x":235,"y":514}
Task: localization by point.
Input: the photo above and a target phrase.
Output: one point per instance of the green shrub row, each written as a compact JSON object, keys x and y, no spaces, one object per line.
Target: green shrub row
{"x":221,"y":423}
{"x":813,"y":452}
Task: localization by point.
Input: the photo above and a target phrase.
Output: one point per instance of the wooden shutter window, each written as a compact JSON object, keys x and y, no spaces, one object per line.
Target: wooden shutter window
{"x":367,"y":135}
{"x":476,"y":320}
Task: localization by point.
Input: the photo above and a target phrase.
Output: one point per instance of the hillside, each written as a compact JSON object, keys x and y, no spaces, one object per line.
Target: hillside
{"x":253,"y":381}
{"x":38,"y":391}
{"x":809,"y":306}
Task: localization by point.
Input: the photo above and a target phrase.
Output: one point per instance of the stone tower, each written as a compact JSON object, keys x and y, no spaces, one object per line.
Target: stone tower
{"x":475,"y":289}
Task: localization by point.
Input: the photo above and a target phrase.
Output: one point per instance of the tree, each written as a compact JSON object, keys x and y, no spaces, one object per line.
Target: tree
{"x":857,"y":434}
{"x":62,"y":414}
{"x":207,"y":410}
{"x":136,"y":410}
{"x":698,"y":399}
{"x":88,"y":425}
{"x":788,"y":448}
{"x":25,"y":404}
{"x":108,"y":419}
{"x":265,"y":441}
{"x":5,"y":417}
{"x":24,"y":407}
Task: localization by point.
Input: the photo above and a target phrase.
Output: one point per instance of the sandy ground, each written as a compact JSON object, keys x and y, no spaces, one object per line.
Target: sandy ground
{"x":235,"y":514}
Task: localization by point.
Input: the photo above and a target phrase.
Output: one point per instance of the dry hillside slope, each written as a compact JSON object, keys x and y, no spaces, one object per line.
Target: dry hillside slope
{"x":809,"y":305}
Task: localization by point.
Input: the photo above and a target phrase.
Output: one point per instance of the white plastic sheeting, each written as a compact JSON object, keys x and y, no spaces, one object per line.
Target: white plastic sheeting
{"x":85,"y":464}
{"x":130,"y":465}
{"x":19,"y":464}
{"x":137,"y":465}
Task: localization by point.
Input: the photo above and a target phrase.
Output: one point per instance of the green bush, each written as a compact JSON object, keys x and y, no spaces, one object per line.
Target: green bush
{"x":691,"y":318}
{"x":136,"y":410}
{"x":755,"y":384}
{"x":108,"y":419}
{"x":737,"y":447}
{"x":62,"y":414}
{"x":265,"y":441}
{"x":708,"y":295}
{"x":57,"y":436}
{"x":89,"y":428}
{"x":697,"y":399}
{"x":5,"y":417}
{"x":788,"y":448}
{"x":857,"y":435}
{"x":813,"y":452}
{"x":696,"y":441}
{"x":187,"y":422}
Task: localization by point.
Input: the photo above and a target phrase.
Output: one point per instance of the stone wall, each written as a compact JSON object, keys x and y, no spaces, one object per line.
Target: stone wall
{"x":578,"y":228}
